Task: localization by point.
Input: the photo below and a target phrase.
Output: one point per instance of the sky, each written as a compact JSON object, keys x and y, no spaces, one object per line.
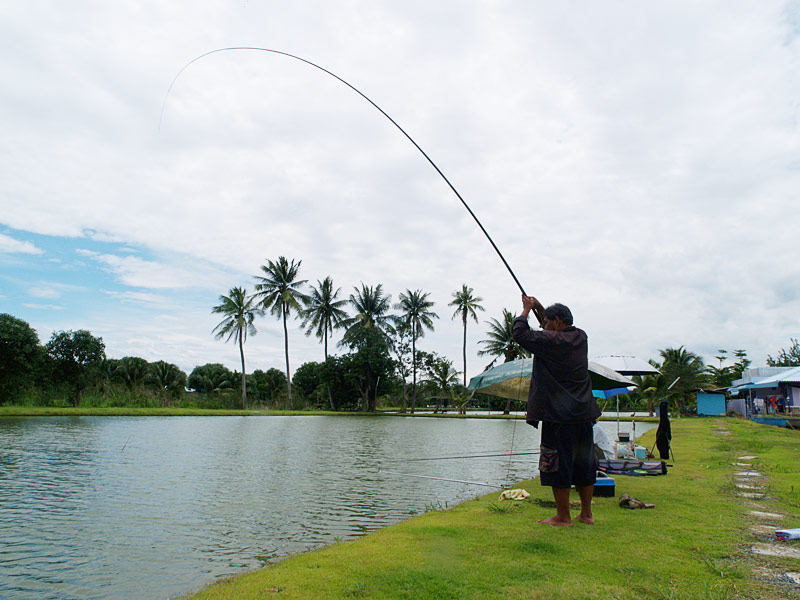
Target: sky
{"x":636,"y":161}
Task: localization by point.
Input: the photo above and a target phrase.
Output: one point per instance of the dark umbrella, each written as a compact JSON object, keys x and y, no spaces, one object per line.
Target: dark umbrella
{"x":512,"y":379}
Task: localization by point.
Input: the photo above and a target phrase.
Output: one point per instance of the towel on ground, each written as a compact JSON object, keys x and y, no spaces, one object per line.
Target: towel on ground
{"x":515,"y":494}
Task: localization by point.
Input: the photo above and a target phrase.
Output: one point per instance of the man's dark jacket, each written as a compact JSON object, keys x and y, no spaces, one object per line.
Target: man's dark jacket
{"x":561,"y":390}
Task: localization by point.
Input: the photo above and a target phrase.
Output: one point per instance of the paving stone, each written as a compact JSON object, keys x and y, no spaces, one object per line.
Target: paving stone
{"x":763,"y":529}
{"x":751,"y":494}
{"x":766,"y":515}
{"x":741,"y":464}
{"x":775,"y":550}
{"x":748,"y":457}
{"x":748,"y":486}
{"x":748,"y":474}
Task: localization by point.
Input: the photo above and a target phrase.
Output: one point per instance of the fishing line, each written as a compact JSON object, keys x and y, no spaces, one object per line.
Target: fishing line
{"x":360,"y":93}
{"x":442,"y":479}
{"x":514,"y":428}
{"x":502,"y":454}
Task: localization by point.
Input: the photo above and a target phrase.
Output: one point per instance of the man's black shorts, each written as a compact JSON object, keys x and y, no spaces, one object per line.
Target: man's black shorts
{"x":567,"y":455}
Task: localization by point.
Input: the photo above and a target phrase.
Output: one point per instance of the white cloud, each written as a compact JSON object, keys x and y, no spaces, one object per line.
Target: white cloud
{"x":52,"y":289}
{"x":12,"y":246}
{"x":43,"y":306}
{"x":137,"y":297}
{"x":137,"y":272}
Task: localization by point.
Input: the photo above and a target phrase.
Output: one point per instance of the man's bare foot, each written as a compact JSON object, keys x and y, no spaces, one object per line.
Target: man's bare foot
{"x":556,"y":521}
{"x":588,"y":520}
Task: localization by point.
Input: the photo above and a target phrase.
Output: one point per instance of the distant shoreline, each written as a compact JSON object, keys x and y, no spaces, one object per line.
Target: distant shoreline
{"x":110,"y":411}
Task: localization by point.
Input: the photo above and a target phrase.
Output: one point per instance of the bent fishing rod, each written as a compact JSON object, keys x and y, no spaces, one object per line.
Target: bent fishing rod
{"x":360,"y":93}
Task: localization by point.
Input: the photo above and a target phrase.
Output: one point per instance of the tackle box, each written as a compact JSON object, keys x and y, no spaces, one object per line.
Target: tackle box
{"x":604,"y":486}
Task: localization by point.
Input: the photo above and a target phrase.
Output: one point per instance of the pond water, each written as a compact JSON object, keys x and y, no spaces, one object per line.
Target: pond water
{"x":155,"y":507}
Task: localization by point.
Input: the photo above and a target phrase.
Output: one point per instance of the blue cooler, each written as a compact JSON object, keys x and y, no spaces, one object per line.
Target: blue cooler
{"x":604,"y":486}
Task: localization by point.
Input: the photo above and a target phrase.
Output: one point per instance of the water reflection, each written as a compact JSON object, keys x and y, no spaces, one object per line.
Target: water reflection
{"x":127,"y":507}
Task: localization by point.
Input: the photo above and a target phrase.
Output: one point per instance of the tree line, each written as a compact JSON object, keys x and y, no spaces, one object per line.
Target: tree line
{"x":379,"y":346}
{"x":379,"y":352}
{"x":379,"y":355}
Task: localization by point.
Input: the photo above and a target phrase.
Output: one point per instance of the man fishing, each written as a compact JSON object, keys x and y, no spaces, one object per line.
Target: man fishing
{"x":560,"y":396}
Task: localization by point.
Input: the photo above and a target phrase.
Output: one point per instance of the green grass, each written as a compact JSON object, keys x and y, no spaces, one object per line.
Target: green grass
{"x":137,"y":411}
{"x":692,"y":545}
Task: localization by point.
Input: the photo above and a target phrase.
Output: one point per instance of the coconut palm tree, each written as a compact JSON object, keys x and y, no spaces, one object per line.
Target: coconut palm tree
{"x":501,"y":341}
{"x":371,"y":309}
{"x":466,"y":304}
{"x":679,"y":362}
{"x":444,"y":376}
{"x":323,"y":312}
{"x":279,"y":292}
{"x":417,"y":315}
{"x":132,"y":371}
{"x":168,"y":379}
{"x":402,"y":349}
{"x":240,"y":310}
{"x":650,"y":389}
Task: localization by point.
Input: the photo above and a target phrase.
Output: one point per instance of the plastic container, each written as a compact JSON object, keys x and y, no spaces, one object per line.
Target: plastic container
{"x":604,"y":486}
{"x":641,"y":452}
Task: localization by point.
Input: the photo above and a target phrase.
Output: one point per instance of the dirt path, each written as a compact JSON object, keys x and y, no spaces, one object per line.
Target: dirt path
{"x":752,"y":487}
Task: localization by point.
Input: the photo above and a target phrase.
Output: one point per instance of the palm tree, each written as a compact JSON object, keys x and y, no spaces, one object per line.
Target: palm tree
{"x":418,"y":316}
{"x":443,"y":374}
{"x":240,"y":310}
{"x":679,"y":362}
{"x":401,"y":348}
{"x":650,"y":388}
{"x":371,"y":309}
{"x":466,"y":304}
{"x":168,"y":379}
{"x":323,"y":312}
{"x":501,"y":341}
{"x":279,"y":291}
{"x":132,"y":371}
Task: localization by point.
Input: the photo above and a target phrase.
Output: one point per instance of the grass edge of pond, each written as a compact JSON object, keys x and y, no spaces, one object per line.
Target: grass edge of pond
{"x":113,"y":411}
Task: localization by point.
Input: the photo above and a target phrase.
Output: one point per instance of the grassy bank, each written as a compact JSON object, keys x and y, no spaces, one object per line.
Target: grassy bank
{"x":136,"y":411}
{"x":693,"y":544}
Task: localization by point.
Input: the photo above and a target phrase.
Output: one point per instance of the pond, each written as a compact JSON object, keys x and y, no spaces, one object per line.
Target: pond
{"x":155,"y":507}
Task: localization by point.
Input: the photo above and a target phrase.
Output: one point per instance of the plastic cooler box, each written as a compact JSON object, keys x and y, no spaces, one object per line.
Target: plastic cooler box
{"x":604,"y":486}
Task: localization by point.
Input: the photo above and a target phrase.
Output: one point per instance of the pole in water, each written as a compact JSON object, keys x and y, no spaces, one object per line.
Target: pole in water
{"x":496,"y":487}
{"x":360,"y":93}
